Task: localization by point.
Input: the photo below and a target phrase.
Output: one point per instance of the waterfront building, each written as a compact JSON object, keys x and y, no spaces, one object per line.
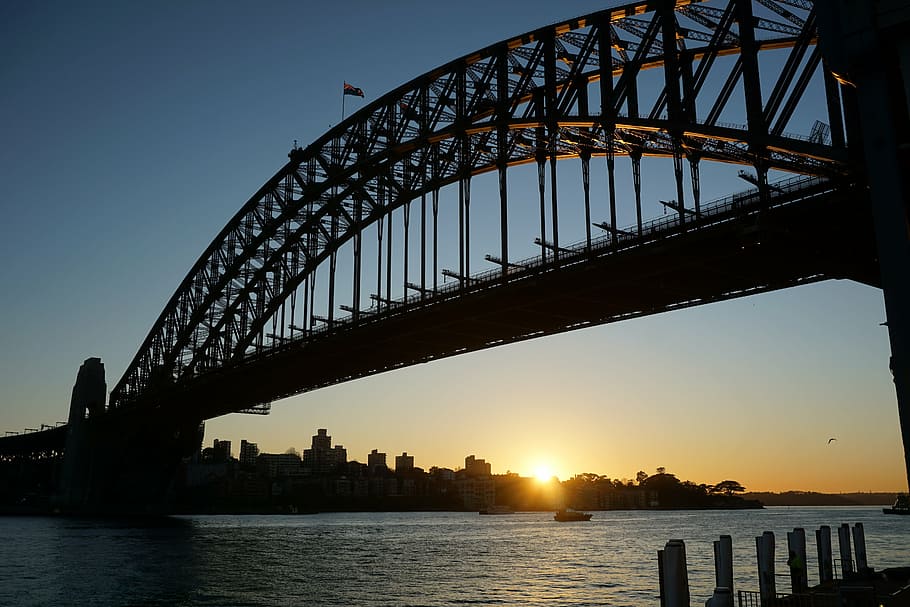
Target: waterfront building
{"x":249,"y":488}
{"x":321,"y":458}
{"x":222,"y":450}
{"x":376,"y":462}
{"x":404,"y":462}
{"x":477,"y":492}
{"x":476,"y":467}
{"x":391,"y":486}
{"x":355,"y":469}
{"x":382,"y":486}
{"x":322,"y":441}
{"x":248,"y":454}
{"x":279,"y":465}
{"x":360,"y":487}
{"x":475,"y":484}
{"x":343,"y":487}
{"x":442,"y":474}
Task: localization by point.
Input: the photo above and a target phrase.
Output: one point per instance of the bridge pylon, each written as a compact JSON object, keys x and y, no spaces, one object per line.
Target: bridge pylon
{"x":866,"y":45}
{"x":116,"y":462}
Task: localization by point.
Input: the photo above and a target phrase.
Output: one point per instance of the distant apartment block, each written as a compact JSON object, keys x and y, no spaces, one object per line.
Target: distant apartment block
{"x":404,"y":462}
{"x":279,"y":465}
{"x":442,"y":474}
{"x":321,"y":457}
{"x":222,"y":450}
{"x":476,"y":467}
{"x":248,"y":454}
{"x":376,"y":461}
{"x":475,"y":484}
{"x":321,"y":441}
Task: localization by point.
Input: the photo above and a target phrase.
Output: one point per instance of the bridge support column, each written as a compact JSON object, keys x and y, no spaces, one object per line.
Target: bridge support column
{"x":88,"y":398}
{"x":118,"y":462}
{"x":862,"y":43}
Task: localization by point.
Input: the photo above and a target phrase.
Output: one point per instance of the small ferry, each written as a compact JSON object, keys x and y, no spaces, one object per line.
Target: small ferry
{"x":566,"y":516}
{"x":901,"y":505}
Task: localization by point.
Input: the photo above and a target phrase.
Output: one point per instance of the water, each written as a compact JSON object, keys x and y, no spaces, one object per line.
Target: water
{"x":399,"y":559}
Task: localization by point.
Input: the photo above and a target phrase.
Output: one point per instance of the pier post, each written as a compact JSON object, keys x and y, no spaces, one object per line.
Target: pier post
{"x":859,"y":546}
{"x":723,"y":563}
{"x":846,"y":559}
{"x":660,"y":578}
{"x":825,"y":563}
{"x":766,"y":584}
{"x":674,"y":574}
{"x":796,"y":544}
{"x":722,"y":597}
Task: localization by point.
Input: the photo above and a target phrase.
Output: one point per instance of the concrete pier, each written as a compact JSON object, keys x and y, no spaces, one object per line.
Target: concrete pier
{"x":674,"y":575}
{"x":825,"y":560}
{"x":723,"y":562}
{"x":767,"y":584}
{"x":796,"y":546}
{"x":846,"y":555}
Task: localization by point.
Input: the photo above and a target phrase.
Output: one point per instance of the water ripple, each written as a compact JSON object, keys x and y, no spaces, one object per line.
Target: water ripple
{"x":394,"y":560}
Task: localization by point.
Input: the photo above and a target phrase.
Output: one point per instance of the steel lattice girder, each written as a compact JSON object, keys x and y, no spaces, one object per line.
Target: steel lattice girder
{"x":515,"y":102}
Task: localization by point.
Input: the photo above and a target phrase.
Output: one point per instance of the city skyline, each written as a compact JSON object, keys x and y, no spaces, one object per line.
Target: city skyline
{"x":543,"y":470}
{"x":132,"y":153}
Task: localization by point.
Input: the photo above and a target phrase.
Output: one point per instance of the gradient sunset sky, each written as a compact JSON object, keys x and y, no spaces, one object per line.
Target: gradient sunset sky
{"x":132,"y":133}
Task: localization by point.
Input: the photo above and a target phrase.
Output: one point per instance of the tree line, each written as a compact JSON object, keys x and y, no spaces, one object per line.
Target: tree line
{"x":660,"y":490}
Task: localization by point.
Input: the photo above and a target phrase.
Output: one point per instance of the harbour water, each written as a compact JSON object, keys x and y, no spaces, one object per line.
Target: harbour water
{"x":400,"y":559}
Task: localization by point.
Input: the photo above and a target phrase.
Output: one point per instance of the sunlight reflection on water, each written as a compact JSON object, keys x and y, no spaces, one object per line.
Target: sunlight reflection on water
{"x":400,"y":559}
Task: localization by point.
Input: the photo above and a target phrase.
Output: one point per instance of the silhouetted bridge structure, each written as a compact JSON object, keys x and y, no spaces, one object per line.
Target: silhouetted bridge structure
{"x":336,"y":268}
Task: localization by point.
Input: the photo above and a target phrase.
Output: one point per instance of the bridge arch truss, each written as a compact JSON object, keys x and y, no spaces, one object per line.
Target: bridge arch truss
{"x":573,"y":90}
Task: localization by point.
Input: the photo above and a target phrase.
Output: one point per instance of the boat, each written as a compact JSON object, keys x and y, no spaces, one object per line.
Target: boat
{"x":901,"y":505}
{"x":497,"y":509}
{"x":566,"y":516}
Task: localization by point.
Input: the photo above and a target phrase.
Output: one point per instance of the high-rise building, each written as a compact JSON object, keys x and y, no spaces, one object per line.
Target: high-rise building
{"x":322,"y":440}
{"x":476,"y":467}
{"x":321,"y":458}
{"x":277,"y":465}
{"x":404,"y":462}
{"x":376,"y":461}
{"x":222,"y":450}
{"x":339,"y":457}
{"x":248,"y":453}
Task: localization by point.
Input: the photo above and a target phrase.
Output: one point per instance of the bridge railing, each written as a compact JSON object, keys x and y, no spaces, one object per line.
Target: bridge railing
{"x":735,"y":126}
{"x":787,"y":191}
{"x":710,"y":213}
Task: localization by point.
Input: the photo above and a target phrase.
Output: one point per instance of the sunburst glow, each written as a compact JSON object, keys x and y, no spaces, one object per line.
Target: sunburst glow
{"x":543,"y":472}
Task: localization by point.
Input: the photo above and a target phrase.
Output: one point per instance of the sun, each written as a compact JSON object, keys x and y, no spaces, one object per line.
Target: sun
{"x":543,"y":473}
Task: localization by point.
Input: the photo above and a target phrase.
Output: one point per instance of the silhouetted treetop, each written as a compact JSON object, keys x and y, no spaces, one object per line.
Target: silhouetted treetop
{"x":727,"y":488}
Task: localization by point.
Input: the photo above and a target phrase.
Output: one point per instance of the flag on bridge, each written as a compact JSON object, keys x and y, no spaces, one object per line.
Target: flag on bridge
{"x":350,"y":89}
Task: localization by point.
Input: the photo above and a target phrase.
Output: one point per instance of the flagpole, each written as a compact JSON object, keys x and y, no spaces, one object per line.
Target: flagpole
{"x":342,"y":101}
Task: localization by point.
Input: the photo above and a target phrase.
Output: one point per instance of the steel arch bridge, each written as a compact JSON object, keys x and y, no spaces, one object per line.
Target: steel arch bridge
{"x":269,"y":283}
{"x":322,"y":276}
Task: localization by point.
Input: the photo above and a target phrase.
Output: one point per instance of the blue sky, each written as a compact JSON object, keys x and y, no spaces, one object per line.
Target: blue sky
{"x":134,"y":131}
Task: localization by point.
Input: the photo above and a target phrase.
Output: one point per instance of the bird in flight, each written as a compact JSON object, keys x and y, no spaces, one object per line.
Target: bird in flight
{"x":831,"y":439}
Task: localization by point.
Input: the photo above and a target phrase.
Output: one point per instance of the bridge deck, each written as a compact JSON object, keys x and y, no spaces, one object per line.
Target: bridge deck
{"x":808,"y":233}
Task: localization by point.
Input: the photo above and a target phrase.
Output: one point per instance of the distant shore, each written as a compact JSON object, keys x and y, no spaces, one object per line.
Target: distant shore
{"x":790,"y":498}
{"x":812,"y":498}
